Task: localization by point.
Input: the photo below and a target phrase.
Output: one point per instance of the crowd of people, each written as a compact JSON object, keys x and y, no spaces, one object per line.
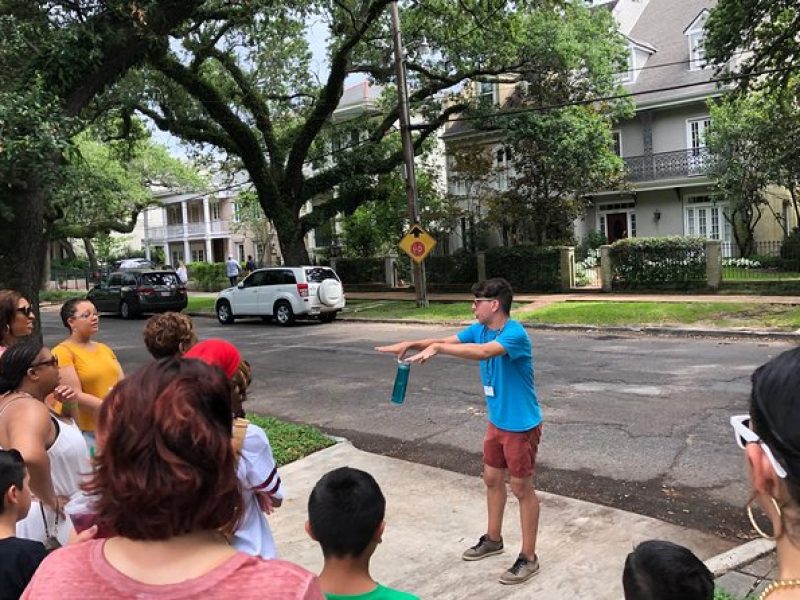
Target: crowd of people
{"x":155,"y":484}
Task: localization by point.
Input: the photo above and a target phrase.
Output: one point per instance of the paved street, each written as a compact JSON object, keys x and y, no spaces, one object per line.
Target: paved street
{"x":639,"y":423}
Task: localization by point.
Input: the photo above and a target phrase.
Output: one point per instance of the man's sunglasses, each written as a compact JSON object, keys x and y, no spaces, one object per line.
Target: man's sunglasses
{"x":52,"y":362}
{"x":26,"y":310}
{"x":744,"y":435}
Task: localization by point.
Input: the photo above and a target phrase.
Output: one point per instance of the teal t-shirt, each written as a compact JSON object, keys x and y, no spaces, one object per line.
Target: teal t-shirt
{"x":379,"y":593}
{"x":514,"y":406}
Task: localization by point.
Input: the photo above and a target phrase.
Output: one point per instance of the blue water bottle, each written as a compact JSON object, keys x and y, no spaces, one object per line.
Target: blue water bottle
{"x":401,"y":382}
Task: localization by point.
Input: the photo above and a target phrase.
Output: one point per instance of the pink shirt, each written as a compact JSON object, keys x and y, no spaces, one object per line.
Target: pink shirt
{"x":81,"y":572}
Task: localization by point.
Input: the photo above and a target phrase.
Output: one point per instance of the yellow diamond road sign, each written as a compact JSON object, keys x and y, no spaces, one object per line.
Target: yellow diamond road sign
{"x":417,"y":243}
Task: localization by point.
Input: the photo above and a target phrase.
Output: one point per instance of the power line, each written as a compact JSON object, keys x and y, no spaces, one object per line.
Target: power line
{"x":513,"y":112}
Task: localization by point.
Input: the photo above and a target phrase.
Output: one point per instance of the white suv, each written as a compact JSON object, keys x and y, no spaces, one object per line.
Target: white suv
{"x":283,"y":293}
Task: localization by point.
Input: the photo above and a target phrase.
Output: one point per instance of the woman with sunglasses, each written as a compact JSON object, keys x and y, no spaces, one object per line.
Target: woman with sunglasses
{"x":53,"y":447}
{"x":16,"y":318}
{"x":87,"y":366}
{"x":167,"y":493}
{"x":770,"y":437}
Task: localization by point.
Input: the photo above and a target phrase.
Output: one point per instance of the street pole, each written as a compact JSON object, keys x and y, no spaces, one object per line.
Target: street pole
{"x":420,"y":284}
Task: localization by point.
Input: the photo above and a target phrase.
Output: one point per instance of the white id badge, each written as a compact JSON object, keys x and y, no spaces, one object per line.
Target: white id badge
{"x":488,"y":391}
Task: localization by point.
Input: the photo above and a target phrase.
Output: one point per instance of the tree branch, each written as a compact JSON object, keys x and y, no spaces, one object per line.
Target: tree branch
{"x":240,"y":134}
{"x":328,"y":101}
{"x":254,"y":104}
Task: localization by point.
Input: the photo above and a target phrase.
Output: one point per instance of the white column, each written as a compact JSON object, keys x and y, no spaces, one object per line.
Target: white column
{"x":206,"y":215}
{"x":207,"y":219}
{"x":146,"y":233}
{"x":187,"y":251}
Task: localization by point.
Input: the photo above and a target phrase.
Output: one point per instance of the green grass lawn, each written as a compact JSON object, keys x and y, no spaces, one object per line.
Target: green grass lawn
{"x":714,"y":314}
{"x":200,"y":304}
{"x":737,"y":273}
{"x":711,"y":314}
{"x":289,"y":441}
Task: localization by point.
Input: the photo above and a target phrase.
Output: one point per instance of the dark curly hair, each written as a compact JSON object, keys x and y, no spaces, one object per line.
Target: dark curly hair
{"x":165,"y":465}
{"x":169,"y":334}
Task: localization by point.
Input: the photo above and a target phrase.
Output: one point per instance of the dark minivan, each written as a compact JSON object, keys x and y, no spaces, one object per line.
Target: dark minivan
{"x":136,"y":291}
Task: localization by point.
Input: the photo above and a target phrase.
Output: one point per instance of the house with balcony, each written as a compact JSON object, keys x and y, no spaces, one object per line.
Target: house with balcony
{"x":205,"y":227}
{"x":666,"y":190}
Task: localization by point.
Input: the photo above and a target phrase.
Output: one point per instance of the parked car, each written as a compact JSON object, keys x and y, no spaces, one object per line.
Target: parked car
{"x":132,"y":263}
{"x":285,"y":293}
{"x":136,"y":291}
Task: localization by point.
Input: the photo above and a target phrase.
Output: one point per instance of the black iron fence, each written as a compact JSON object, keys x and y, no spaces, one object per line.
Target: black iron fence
{"x":765,"y":261}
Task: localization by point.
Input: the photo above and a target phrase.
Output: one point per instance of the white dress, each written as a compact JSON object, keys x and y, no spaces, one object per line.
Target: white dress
{"x":256,"y":472}
{"x":69,"y":465}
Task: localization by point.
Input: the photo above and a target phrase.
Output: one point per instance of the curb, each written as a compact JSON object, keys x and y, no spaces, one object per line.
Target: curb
{"x":739,"y":556}
{"x":654,"y":331}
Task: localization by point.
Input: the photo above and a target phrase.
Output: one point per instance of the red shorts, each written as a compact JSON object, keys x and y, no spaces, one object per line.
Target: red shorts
{"x":512,"y":450}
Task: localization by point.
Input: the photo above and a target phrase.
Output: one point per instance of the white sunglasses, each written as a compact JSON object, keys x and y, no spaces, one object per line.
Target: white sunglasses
{"x":744,"y":435}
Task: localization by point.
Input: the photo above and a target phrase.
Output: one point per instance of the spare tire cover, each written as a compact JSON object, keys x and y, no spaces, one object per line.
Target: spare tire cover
{"x":330,"y":292}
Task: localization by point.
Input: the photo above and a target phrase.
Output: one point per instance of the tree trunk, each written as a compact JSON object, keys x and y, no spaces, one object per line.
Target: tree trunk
{"x":23,"y":241}
{"x":90,"y":254}
{"x":293,"y":249}
{"x":66,"y":245}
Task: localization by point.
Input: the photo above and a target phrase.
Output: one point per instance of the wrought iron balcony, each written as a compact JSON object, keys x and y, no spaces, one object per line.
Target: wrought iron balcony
{"x":690,"y":162}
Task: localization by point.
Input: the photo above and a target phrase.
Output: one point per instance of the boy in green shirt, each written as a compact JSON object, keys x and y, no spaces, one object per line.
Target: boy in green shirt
{"x":345,"y":515}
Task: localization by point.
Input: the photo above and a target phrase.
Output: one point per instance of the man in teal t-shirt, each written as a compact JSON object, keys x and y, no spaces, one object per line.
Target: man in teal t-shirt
{"x":515,"y":420}
{"x":345,"y":515}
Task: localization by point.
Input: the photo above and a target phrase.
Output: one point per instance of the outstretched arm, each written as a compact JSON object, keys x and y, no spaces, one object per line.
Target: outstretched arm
{"x":468,"y":351}
{"x":400,"y":348}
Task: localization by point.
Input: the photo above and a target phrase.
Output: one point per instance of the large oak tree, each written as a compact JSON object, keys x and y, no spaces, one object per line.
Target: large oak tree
{"x":57,"y":58}
{"x":243,"y":84}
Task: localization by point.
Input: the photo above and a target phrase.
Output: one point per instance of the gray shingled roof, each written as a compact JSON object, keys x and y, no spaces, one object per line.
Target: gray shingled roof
{"x":662,"y":25}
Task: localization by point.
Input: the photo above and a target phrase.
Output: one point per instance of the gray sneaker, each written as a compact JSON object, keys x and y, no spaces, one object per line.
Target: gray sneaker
{"x":485,"y":547}
{"x":522,"y":570}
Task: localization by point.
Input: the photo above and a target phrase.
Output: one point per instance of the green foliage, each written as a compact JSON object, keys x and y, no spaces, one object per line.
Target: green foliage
{"x":107,"y":182}
{"x":659,"y":262}
{"x":790,"y":252}
{"x":289,"y":441}
{"x":69,"y":263}
{"x":527,"y":268}
{"x":208,"y":277}
{"x":768,"y":30}
{"x":361,"y":270}
{"x":593,"y":240}
{"x":753,"y":143}
{"x":460,"y":267}
{"x":559,"y":155}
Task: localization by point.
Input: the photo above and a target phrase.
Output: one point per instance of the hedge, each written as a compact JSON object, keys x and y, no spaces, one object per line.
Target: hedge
{"x":361,"y":270}
{"x":527,"y":268}
{"x":658,"y":262}
{"x":208,"y":277}
{"x":460,"y":267}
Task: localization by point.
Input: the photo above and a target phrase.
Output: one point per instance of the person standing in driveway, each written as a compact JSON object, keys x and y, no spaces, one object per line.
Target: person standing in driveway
{"x":514,"y":430}
{"x":232,"y":270}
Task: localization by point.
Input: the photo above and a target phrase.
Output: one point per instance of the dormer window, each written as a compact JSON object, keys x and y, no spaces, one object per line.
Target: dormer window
{"x":627,"y":76}
{"x":695,"y":36}
{"x":638,"y":55}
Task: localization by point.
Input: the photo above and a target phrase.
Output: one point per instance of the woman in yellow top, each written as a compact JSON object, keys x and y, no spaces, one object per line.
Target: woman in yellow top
{"x":87,"y":366}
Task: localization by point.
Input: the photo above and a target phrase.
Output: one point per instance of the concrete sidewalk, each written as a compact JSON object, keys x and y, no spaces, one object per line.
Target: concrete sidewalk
{"x":433,"y":515}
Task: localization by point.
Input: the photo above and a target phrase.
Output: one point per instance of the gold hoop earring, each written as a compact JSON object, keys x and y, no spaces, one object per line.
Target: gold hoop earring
{"x":759,"y":531}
